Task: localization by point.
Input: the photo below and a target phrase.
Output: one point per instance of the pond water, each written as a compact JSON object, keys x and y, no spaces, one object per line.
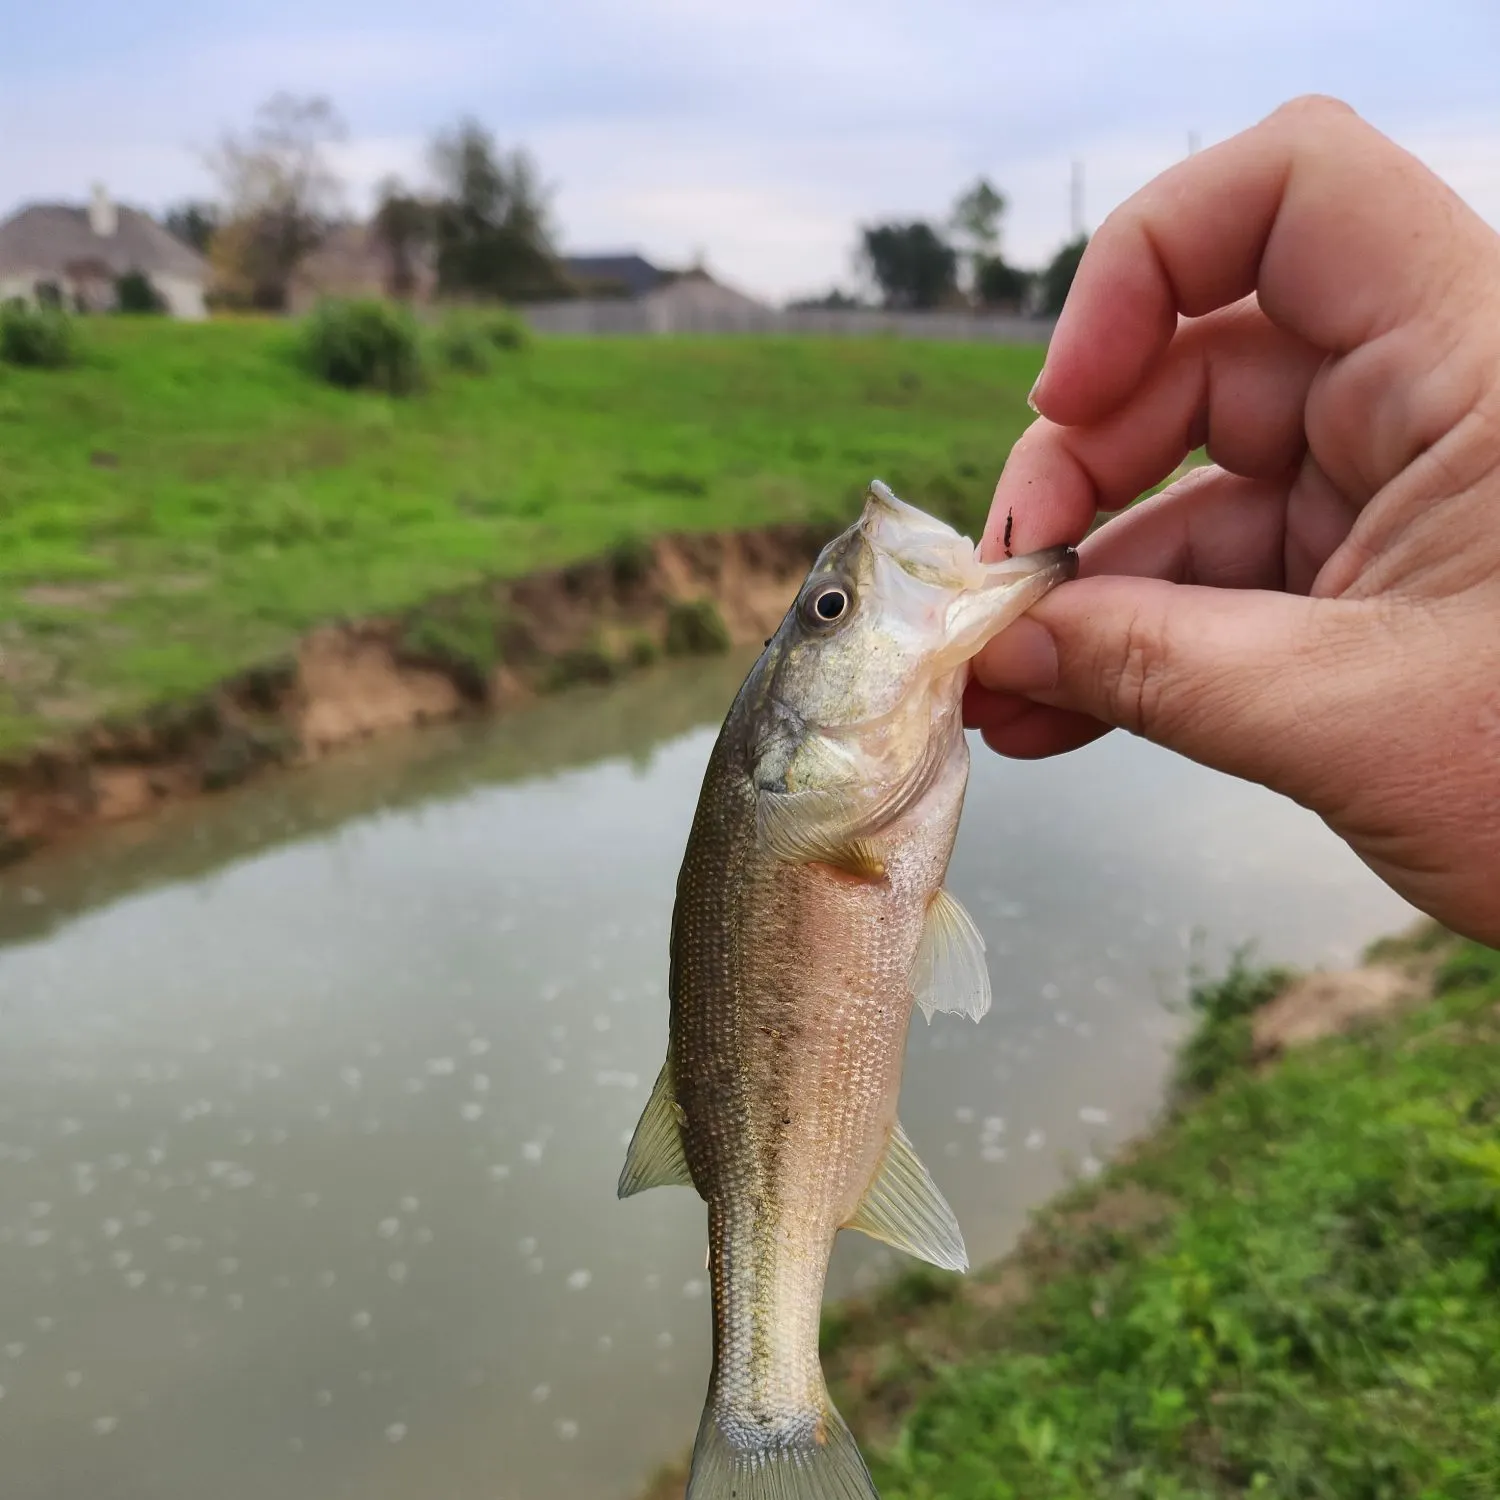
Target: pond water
{"x":313,"y":1096}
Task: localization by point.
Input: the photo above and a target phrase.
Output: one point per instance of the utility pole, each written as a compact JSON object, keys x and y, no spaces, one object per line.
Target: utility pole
{"x":1192,"y":142}
{"x":1076,"y":200}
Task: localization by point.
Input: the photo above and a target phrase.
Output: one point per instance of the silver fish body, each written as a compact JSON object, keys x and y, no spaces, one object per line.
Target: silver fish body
{"x":810,"y":918}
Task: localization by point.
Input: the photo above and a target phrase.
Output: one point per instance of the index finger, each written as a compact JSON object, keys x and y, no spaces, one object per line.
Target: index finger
{"x":1340,"y":233}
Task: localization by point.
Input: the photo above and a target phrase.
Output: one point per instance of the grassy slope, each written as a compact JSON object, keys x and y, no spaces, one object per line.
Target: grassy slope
{"x":188,"y":501}
{"x":1293,"y":1290}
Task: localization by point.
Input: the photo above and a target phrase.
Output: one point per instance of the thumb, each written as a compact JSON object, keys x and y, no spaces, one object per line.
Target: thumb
{"x":1271,"y":687}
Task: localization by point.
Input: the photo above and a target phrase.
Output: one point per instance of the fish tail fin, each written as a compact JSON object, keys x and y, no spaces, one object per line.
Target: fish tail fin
{"x":815,"y":1458}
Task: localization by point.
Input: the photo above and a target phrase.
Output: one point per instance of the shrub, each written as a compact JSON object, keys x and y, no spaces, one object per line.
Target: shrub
{"x":459,"y":636}
{"x":41,"y":337}
{"x":467,"y":340}
{"x":504,"y":329}
{"x":463,"y":345}
{"x":134,"y":293}
{"x":696,"y":628}
{"x":1220,"y":1045}
{"x":363,"y":343}
{"x":590,"y":662}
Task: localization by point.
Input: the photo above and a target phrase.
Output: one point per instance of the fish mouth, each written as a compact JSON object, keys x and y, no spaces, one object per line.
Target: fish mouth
{"x":1003,"y":592}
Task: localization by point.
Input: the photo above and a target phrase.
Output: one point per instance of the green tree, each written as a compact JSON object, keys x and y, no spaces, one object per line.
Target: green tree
{"x":402,"y":226}
{"x":912,"y":264}
{"x":194,"y":223}
{"x":977,"y":215}
{"x":490,"y":225}
{"x":134,"y":293}
{"x":1058,"y":277}
{"x":1000,"y":284}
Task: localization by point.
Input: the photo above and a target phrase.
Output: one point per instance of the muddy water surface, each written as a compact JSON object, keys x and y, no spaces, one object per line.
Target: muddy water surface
{"x":312,"y":1098}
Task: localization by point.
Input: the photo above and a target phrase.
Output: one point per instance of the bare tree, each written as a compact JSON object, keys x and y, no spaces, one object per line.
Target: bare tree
{"x":280,"y":195}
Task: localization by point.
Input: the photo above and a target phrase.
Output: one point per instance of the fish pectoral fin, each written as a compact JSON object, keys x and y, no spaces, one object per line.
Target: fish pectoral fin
{"x":949,"y":971}
{"x":797,"y":827}
{"x":655,"y":1157}
{"x":903,"y":1207}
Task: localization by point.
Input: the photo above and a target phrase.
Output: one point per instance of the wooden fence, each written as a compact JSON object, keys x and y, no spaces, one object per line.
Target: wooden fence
{"x":653,"y":316}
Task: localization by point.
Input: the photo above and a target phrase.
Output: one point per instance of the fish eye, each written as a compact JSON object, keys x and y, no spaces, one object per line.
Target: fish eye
{"x":828,"y":605}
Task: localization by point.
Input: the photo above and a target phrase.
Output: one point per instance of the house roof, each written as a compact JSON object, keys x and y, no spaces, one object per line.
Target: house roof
{"x":48,"y":237}
{"x":697,"y":294}
{"x":634,"y":272}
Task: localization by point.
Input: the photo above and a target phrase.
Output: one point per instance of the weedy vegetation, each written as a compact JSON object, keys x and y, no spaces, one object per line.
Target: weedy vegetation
{"x":1292,"y":1289}
{"x":185,"y":500}
{"x":40,"y":338}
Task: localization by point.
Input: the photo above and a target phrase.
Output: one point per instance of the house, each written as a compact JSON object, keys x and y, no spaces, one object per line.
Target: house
{"x":76,"y":255}
{"x":695,"y":302}
{"x":624,"y":274}
{"x":351,"y":261}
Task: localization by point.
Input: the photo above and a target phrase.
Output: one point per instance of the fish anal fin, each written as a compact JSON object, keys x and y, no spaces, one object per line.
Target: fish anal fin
{"x":949,"y":972}
{"x":902,"y":1207}
{"x":655,"y":1157}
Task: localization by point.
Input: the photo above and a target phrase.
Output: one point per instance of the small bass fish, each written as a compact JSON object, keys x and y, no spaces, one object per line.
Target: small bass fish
{"x":810,"y":917}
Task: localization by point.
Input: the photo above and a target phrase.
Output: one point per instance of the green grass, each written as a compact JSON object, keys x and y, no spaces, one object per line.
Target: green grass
{"x":188,"y":499}
{"x":1309,"y":1308}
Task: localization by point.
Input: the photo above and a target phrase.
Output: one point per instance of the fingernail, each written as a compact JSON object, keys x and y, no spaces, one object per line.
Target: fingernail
{"x":1035,"y":386}
{"x":1021,"y":659}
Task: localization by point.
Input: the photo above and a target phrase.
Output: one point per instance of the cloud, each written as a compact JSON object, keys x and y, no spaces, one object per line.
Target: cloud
{"x":764,"y":134}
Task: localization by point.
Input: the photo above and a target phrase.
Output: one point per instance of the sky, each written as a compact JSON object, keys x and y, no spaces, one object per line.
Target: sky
{"x":759,"y":134}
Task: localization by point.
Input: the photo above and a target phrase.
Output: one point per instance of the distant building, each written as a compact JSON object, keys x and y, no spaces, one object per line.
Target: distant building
{"x":74,"y":256}
{"x":625,"y":274}
{"x":351,"y":261}
{"x":689,"y":301}
{"x":694,"y":301}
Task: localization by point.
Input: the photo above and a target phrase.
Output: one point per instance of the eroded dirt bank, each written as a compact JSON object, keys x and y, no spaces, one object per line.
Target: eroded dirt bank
{"x":473,"y":652}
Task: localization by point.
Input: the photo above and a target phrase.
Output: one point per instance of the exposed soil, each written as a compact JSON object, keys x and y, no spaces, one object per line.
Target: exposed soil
{"x":465,"y":654}
{"x":1330,"y":1004}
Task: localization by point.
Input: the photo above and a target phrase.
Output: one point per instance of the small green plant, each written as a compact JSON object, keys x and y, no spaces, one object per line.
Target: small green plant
{"x":630,"y":561}
{"x":460,"y":636}
{"x":696,"y":628}
{"x":39,"y":337}
{"x":642,"y":650}
{"x":363,"y":343}
{"x":504,"y":328}
{"x":461,"y":344}
{"x":666,"y":482}
{"x":134,"y":293}
{"x":590,"y":662}
{"x":1221,"y":1042}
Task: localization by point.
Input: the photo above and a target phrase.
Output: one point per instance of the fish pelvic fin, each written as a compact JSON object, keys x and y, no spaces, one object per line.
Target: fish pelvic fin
{"x":655,"y":1157}
{"x":815,"y":1458}
{"x":902,"y":1207}
{"x":949,"y":972}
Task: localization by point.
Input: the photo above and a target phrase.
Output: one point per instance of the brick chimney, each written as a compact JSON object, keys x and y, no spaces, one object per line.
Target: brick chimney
{"x":103,"y":217}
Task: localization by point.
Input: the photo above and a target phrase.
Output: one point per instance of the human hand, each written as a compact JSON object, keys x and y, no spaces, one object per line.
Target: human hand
{"x":1320,"y":611}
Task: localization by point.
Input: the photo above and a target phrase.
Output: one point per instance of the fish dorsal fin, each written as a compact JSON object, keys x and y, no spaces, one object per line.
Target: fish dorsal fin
{"x":949,"y":971}
{"x":655,"y":1157}
{"x":902,"y":1207}
{"x":794,"y":826}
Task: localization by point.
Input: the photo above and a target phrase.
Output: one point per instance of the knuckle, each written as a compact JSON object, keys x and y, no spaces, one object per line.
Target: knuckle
{"x":1133,"y":685}
{"x":1314,"y":109}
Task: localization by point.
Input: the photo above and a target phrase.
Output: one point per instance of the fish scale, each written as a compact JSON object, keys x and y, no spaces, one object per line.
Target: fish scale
{"x":810,"y":918}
